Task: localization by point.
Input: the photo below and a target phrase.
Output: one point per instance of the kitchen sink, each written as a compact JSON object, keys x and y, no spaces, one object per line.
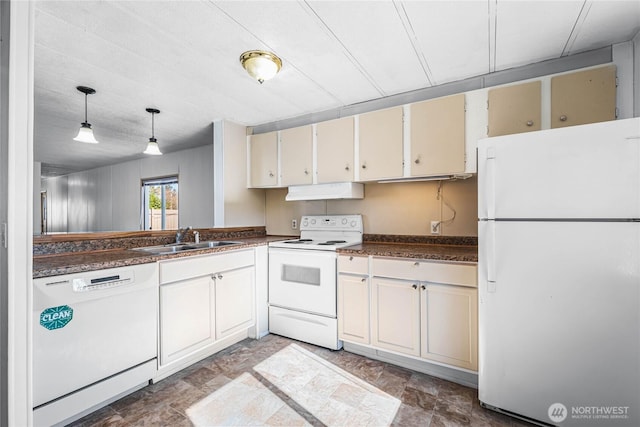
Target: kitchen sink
{"x":184,"y":247}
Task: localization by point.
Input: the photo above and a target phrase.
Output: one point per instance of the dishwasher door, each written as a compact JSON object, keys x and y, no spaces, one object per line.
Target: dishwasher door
{"x":90,"y":326}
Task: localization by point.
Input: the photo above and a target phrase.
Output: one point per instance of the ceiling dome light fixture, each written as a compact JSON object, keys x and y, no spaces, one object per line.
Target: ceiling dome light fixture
{"x":85,"y":134}
{"x":261,"y":65}
{"x":152,"y":146}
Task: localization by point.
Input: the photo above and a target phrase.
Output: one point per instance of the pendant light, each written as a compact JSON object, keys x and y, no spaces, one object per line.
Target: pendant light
{"x":152,"y":146}
{"x":260,"y":65}
{"x":85,"y":134}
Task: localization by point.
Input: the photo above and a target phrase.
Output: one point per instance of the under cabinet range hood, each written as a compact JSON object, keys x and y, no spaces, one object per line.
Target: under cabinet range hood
{"x":334,"y":190}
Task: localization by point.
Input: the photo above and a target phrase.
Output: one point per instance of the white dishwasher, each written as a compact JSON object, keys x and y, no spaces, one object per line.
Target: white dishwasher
{"x":94,"y":339}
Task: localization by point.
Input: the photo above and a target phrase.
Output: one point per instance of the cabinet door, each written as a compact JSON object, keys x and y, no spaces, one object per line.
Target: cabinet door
{"x":335,"y":148}
{"x":515,"y":109}
{"x":395,"y":315}
{"x":234,"y":297}
{"x":186,"y":319}
{"x":381,"y":144}
{"x":263,"y":149}
{"x":583,"y":97}
{"x":449,"y":316}
{"x":353,"y":308}
{"x":437,"y":136}
{"x":296,"y":155}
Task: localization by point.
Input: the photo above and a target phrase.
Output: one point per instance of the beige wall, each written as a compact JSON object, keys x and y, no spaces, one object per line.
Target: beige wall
{"x":398,"y":208}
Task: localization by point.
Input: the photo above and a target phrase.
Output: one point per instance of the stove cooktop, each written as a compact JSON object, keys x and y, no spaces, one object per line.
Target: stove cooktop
{"x":325,"y":232}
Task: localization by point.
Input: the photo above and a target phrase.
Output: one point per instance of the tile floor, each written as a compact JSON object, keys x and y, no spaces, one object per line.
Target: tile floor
{"x":281,"y":382}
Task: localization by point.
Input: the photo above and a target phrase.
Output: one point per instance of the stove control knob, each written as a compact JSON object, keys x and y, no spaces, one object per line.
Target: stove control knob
{"x":305,"y":222}
{"x":313,"y":222}
{"x":344,"y":221}
{"x":353,"y":223}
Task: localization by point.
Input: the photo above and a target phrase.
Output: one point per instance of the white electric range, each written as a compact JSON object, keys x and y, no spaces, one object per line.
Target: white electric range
{"x":303,"y":279}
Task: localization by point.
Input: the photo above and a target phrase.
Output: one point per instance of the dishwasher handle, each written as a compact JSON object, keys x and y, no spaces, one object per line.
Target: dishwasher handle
{"x":84,"y":284}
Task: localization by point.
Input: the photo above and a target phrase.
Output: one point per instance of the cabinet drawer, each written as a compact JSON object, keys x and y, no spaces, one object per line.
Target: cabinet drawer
{"x":426,"y":271}
{"x":196,"y":266}
{"x":353,"y":264}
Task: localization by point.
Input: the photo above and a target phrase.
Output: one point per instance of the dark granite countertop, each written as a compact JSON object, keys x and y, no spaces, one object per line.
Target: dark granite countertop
{"x":76,"y":262}
{"x":438,"y":252}
{"x":457,"y":249}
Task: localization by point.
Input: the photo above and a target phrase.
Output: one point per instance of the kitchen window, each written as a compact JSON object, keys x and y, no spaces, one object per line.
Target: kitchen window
{"x":160,"y":203}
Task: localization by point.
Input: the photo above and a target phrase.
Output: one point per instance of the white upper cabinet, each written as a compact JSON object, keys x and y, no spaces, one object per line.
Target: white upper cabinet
{"x":438,"y":136}
{"x":296,"y":156}
{"x":335,"y":150}
{"x":380,"y":144}
{"x":263,"y":154}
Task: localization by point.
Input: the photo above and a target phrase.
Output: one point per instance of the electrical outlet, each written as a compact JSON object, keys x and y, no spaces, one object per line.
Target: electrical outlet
{"x":435,"y":227}
{"x":294,"y":224}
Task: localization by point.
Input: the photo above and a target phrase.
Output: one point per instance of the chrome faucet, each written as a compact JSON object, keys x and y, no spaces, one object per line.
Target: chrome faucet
{"x":181,"y":233}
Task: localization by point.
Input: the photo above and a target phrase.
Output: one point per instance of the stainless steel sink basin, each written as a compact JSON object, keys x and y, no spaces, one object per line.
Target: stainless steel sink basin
{"x":184,"y":247}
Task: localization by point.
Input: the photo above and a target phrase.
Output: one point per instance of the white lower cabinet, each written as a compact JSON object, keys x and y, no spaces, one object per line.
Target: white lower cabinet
{"x":424,"y":309}
{"x":395,"y":314}
{"x":353,"y":308}
{"x":234,"y":306}
{"x":206,"y":303}
{"x":186,"y":323}
{"x":449,"y":324}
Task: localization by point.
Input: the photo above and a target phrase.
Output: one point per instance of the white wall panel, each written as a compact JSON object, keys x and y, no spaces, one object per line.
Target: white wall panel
{"x":77,"y":216}
{"x":195,"y":186}
{"x":101,"y":178}
{"x":125,"y":193}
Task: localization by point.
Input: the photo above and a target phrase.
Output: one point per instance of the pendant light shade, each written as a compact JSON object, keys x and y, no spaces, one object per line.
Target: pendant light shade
{"x":152,"y":147}
{"x":260,"y":65}
{"x":85,"y":134}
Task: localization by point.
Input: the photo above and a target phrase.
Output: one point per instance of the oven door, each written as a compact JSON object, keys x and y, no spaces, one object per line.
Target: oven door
{"x":303,"y":280}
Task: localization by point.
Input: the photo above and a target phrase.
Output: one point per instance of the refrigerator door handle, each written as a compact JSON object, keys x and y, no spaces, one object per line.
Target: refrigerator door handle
{"x":491,"y":256}
{"x":490,"y":182}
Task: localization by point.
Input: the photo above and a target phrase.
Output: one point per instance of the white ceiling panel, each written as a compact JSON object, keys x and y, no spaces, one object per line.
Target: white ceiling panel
{"x":453,"y":36}
{"x":613,"y":21}
{"x":532,"y":31}
{"x":373,"y":34}
{"x":295,"y":33}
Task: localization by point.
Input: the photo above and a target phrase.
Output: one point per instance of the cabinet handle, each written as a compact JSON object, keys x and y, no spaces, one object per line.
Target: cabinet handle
{"x":270,"y":174}
{"x":364,"y":279}
{"x":350,"y":258}
{"x":306,"y":172}
{"x":416,"y":161}
{"x":563,"y":118}
{"x":346,"y":168}
{"x":423,"y":287}
{"x":530,"y":123}
{"x":414,"y":286}
{"x":219,"y":276}
{"x":213,"y":277}
{"x":416,"y":264}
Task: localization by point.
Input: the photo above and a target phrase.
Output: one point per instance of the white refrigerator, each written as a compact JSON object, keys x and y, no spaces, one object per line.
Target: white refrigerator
{"x":559,"y":274}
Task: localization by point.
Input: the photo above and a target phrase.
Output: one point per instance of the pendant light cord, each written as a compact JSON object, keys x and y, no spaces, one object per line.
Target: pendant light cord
{"x":85,"y":108}
{"x":153,"y":125}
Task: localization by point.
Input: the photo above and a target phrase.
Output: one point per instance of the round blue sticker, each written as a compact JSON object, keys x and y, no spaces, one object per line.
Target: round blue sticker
{"x":56,"y":317}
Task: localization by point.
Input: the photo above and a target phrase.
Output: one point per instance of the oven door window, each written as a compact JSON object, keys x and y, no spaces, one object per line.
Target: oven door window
{"x":303,"y":280}
{"x":300,"y":274}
